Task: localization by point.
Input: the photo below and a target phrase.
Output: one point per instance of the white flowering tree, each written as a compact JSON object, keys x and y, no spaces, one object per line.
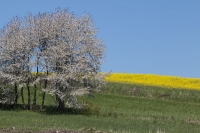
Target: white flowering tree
{"x":62,"y":46}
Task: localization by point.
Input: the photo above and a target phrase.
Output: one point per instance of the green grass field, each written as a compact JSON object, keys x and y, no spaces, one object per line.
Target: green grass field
{"x":117,"y":108}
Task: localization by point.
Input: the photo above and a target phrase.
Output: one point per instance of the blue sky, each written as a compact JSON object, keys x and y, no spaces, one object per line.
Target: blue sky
{"x":141,"y":36}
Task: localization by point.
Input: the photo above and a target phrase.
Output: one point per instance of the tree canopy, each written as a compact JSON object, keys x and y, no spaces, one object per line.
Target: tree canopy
{"x":58,"y":44}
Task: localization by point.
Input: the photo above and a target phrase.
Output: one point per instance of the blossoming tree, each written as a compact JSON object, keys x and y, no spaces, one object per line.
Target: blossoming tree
{"x":64,"y":47}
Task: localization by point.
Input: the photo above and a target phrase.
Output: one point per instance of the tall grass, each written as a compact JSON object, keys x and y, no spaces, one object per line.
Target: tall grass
{"x":117,"y":108}
{"x":152,"y":92}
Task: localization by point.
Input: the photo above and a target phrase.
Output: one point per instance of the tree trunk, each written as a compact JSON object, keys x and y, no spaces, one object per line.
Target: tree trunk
{"x":34,"y":95}
{"x":22,"y":95}
{"x":29,"y":96}
{"x":43,"y":95}
{"x":61,"y":104}
{"x":35,"y":86}
{"x":43,"y":98}
{"x":45,"y":86}
{"x":16,"y":94}
{"x":28,"y":86}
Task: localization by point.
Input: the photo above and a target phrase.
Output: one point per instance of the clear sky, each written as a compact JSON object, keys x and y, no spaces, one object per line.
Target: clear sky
{"x":141,"y":36}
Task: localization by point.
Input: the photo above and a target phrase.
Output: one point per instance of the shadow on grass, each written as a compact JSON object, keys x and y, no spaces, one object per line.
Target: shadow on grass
{"x":50,"y":110}
{"x":88,"y":110}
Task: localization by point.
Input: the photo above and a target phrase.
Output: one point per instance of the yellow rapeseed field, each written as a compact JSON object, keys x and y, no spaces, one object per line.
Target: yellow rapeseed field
{"x":155,"y":80}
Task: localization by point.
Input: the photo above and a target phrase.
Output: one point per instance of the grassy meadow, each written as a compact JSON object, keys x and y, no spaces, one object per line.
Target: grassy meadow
{"x":128,"y":107}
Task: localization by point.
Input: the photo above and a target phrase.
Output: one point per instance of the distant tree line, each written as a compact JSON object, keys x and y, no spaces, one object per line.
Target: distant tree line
{"x":58,"y":44}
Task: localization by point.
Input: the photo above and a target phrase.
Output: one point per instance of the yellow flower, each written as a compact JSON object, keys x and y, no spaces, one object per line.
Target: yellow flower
{"x":155,"y":80}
